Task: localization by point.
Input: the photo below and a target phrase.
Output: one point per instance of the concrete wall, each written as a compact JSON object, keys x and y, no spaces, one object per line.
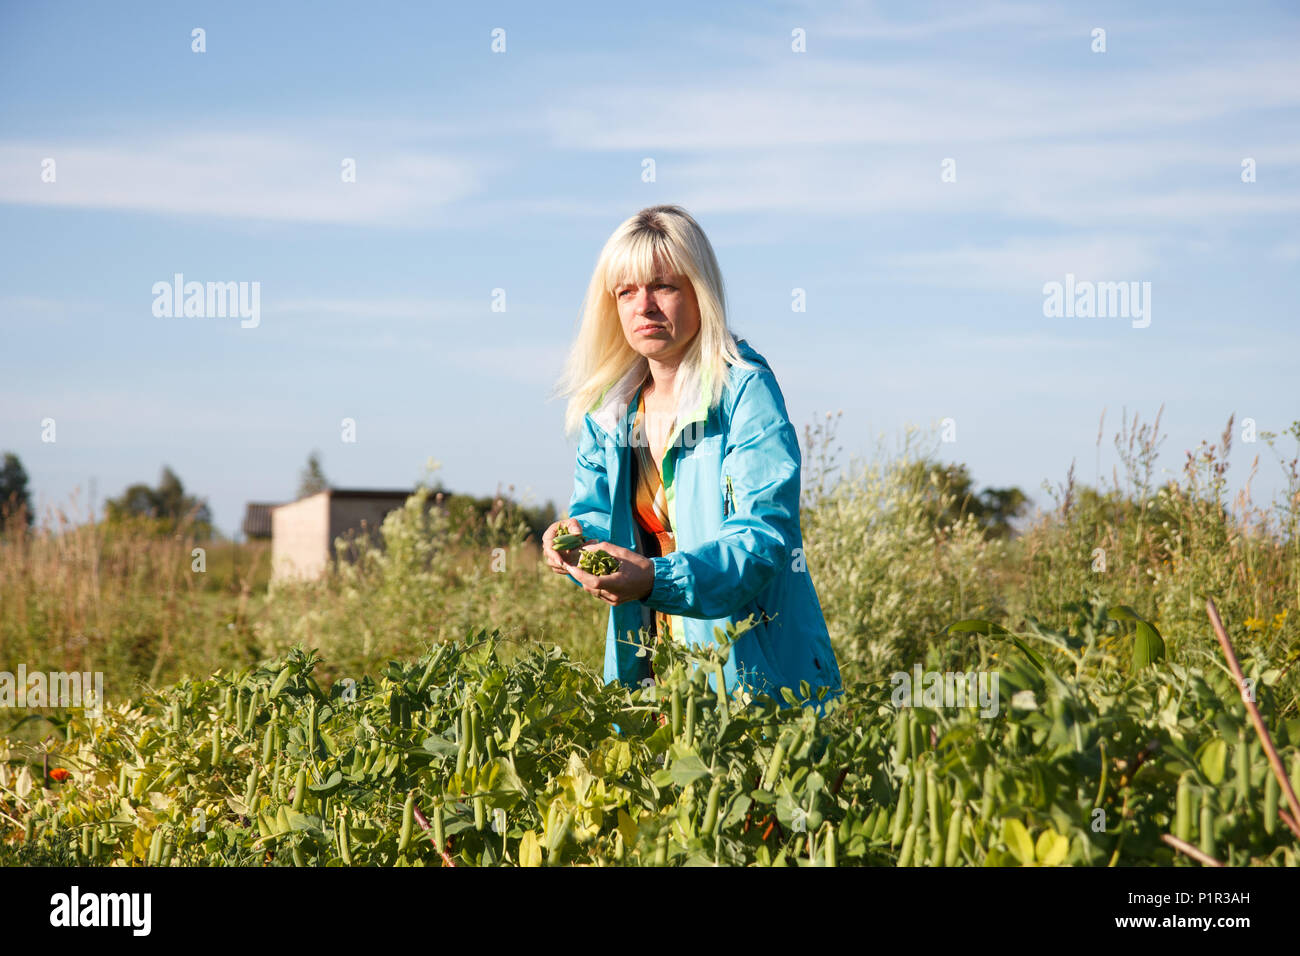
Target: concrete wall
{"x":348,"y":514}
{"x":303,"y":532}
{"x":300,"y":537}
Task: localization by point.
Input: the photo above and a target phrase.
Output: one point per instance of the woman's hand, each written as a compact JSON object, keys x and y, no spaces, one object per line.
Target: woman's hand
{"x":633,"y":581}
{"x":555,"y":558}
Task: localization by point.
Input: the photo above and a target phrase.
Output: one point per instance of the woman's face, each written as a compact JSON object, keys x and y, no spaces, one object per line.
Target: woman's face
{"x":659,"y":319}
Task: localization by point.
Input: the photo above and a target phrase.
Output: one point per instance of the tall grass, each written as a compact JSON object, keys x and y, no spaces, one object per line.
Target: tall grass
{"x":81,"y":596}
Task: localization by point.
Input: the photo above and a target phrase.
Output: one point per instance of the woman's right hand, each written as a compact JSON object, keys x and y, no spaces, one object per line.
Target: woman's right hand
{"x":553,"y":557}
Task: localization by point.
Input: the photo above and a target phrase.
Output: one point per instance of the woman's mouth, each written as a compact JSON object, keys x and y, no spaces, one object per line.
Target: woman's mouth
{"x":648,"y":329}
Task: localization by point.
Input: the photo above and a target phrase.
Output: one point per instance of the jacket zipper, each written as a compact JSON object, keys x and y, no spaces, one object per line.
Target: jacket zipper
{"x":728,"y":502}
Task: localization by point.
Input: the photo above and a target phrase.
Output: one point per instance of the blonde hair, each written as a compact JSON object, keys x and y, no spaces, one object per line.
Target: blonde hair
{"x":657,"y":240}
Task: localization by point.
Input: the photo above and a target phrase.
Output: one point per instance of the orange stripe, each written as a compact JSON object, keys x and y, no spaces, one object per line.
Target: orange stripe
{"x":650,"y":509}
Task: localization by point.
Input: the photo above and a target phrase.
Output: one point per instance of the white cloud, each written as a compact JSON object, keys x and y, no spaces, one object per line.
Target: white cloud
{"x":260,"y":175}
{"x":1025,"y":264}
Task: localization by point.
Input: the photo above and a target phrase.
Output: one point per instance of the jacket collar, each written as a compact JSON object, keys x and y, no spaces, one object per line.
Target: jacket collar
{"x":613,"y":408}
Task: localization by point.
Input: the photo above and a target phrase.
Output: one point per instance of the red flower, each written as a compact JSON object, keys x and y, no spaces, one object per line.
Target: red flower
{"x":59,"y":774}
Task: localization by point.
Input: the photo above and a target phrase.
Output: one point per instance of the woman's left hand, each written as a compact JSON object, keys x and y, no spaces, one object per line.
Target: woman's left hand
{"x":633,"y":580}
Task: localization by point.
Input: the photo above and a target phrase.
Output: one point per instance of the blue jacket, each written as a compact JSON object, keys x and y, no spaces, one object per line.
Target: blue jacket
{"x":732,"y":484}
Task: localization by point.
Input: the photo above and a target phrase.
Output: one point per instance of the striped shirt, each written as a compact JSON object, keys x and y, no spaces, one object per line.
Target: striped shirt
{"x":649,"y":504}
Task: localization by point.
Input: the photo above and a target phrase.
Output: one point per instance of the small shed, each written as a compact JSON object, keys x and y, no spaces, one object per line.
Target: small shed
{"x":257,"y":520}
{"x":303,"y":531}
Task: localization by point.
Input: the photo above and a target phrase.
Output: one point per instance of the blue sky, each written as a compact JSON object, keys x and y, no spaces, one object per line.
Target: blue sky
{"x":476,"y":171}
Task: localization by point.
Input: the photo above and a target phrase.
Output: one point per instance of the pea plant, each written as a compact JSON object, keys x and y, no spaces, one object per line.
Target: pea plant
{"x":460,"y":759}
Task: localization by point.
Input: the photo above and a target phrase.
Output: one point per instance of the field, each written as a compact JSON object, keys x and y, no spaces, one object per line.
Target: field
{"x":439,"y":702}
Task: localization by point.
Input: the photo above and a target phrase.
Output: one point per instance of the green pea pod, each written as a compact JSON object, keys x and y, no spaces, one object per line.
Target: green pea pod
{"x":1271,"y":793}
{"x":720,"y":690}
{"x":900,"y":813}
{"x":830,"y":845}
{"x":909,"y":842}
{"x":676,"y":711}
{"x":267,"y":741}
{"x":661,"y":848}
{"x":462,"y":748}
{"x":561,"y":833}
{"x":918,"y":796}
{"x":932,"y":806}
{"x":29,"y":828}
{"x":1242,"y":769}
{"x":950,"y":854}
{"x":250,"y":791}
{"x":300,"y":789}
{"x":567,"y":542}
{"x":239,"y":711}
{"x":394,"y":709}
{"x":690,"y":714}
{"x":711,"y":808}
{"x":299,"y":858}
{"x":920,"y":735}
{"x":438,"y":837}
{"x":122,"y":786}
{"x":216,"y":745}
{"x":881,"y":830}
{"x":902,"y":735}
{"x":423,"y":683}
{"x":1183,"y":809}
{"x":408,"y":823}
{"x":345,"y":840}
{"x":250,"y":717}
{"x":771,"y":774}
{"x":480,"y":814}
{"x":85,"y":842}
{"x":474,"y":735}
{"x":94,"y":847}
{"x":177,"y":727}
{"x":1207,"y":825}
{"x":313,"y":725}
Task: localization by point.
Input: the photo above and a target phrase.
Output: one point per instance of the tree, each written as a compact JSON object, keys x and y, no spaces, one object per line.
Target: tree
{"x":167,"y":507}
{"x":993,"y":508}
{"x":15,"y":499}
{"x":313,"y":479}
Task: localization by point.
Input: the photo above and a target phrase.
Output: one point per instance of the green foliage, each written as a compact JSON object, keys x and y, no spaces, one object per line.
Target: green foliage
{"x":15,"y":498}
{"x":459,"y":758}
{"x":312,"y":480}
{"x":164,"y":510}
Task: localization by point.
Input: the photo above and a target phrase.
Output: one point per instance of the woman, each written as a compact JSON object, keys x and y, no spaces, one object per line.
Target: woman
{"x":688,"y":469}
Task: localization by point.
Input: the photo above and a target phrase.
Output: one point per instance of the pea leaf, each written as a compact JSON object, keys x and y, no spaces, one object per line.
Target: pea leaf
{"x":1214,"y":759}
{"x":1016,"y":837}
{"x":530,"y":851}
{"x":687,"y":770}
{"x":331,"y":784}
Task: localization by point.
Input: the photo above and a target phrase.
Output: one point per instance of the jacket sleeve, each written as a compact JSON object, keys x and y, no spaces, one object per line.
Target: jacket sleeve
{"x":590,"y":502}
{"x":761,"y":454}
